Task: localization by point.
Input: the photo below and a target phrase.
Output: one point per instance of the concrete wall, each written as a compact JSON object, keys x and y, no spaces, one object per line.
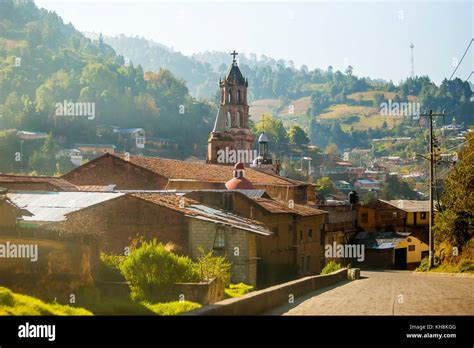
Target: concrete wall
{"x":259,"y":302}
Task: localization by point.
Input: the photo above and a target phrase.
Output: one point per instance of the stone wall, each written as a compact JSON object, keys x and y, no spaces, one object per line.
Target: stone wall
{"x":239,"y":248}
{"x":204,"y":293}
{"x":262,"y":301}
{"x":61,"y":268}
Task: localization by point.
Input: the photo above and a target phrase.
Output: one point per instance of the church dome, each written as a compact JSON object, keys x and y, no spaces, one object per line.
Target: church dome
{"x":263,"y":138}
{"x":239,"y":181}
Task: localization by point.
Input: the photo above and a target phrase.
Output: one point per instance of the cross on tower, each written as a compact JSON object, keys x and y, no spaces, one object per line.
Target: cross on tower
{"x":234,"y":54}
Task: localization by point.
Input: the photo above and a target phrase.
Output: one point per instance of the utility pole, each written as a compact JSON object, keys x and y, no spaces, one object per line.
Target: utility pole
{"x":412,"y":74}
{"x":432,"y":160}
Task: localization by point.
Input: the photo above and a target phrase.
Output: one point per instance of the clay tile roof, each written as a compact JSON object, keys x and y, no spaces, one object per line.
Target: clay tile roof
{"x":277,"y":207}
{"x":192,"y":208}
{"x":180,"y":170}
{"x":410,"y":206}
{"x":59,"y":183}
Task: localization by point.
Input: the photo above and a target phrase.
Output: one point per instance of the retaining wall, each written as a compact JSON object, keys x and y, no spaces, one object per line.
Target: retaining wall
{"x":262,"y":301}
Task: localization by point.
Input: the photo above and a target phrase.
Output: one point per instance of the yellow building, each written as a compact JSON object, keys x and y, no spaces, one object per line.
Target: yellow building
{"x":414,"y":250}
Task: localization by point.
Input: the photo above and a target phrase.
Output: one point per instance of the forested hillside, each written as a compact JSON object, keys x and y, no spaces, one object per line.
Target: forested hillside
{"x":44,"y":61}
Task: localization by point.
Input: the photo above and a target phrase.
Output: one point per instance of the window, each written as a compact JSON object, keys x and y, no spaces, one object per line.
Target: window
{"x":394,"y":214}
{"x":238,"y":96}
{"x":230,"y":97}
{"x":365,"y":218}
{"x":423,"y":216}
{"x":237,"y":120}
{"x":219,"y":239}
{"x":228,"y":201}
{"x":275,"y":231}
{"x":310,"y":234}
{"x":411,"y":248}
{"x":301,"y":235}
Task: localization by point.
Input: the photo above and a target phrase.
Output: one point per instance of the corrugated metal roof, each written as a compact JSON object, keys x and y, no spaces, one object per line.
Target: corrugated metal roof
{"x":53,"y":206}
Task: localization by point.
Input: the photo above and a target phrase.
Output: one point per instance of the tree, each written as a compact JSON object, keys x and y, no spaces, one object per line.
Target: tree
{"x":394,"y":188}
{"x":326,"y":186}
{"x":332,"y":149}
{"x":297,"y":135}
{"x":455,"y":223}
{"x":43,"y":161}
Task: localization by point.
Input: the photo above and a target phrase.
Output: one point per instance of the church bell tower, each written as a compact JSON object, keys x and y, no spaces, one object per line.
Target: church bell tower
{"x":231,"y":130}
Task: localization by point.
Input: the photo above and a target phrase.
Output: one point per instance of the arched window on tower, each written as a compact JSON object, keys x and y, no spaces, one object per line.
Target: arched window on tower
{"x":237,"y":120}
{"x":228,"y":121}
{"x":230,"y":97}
{"x":238,"y":96}
{"x":242,"y":121}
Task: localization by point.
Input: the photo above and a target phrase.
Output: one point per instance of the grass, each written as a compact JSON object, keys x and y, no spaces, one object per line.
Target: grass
{"x":463,"y":266}
{"x":172,"y":308}
{"x":236,"y":290}
{"x":16,"y":304}
{"x":369,"y":117}
{"x":369,"y":96}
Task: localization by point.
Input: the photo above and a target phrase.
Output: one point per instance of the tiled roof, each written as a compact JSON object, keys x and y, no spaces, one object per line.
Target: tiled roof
{"x":410,"y":206}
{"x":276,"y":207}
{"x":179,"y":170}
{"x":195,"y":209}
{"x":24,"y":179}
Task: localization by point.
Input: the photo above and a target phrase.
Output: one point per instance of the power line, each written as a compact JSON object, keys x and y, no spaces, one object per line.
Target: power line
{"x":459,"y":63}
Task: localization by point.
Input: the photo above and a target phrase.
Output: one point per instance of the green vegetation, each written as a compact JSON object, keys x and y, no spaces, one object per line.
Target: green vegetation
{"x":16,"y":304}
{"x":210,"y":266}
{"x":454,"y":223}
{"x":151,"y":270}
{"x":332,"y":266}
{"x":172,"y":308}
{"x":44,"y":62}
{"x":236,"y":290}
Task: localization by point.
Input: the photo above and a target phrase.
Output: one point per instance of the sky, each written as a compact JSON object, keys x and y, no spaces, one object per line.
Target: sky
{"x":373,"y":37}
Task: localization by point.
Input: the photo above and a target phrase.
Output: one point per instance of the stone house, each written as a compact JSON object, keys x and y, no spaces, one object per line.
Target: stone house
{"x":118,"y":218}
{"x":153,"y":173}
{"x":295,"y":246}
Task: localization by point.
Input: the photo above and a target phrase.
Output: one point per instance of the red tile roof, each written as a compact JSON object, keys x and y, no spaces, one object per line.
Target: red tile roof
{"x":196,"y":209}
{"x":180,"y":170}
{"x":277,"y":207}
{"x":60,"y":183}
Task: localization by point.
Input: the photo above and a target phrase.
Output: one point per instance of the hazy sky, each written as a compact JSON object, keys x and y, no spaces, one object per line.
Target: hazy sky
{"x":372,"y":36}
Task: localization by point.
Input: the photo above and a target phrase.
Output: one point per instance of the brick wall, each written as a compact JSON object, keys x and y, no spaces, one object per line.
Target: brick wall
{"x":120,"y":220}
{"x":110,"y":170}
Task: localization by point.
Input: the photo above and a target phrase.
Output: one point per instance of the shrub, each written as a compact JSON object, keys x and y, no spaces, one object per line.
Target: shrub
{"x":424,"y":265}
{"x":152,"y":270}
{"x":210,"y":266}
{"x":109,"y":268}
{"x":236,"y":290}
{"x":172,"y":308}
{"x":466,"y":266}
{"x":331,"y":267}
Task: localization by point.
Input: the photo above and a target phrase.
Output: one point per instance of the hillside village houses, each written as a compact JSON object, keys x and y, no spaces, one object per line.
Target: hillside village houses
{"x":271,"y":228}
